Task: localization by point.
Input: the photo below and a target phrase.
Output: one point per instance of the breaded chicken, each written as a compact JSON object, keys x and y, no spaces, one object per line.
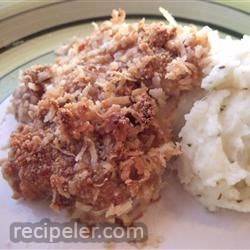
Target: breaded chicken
{"x":95,"y":131}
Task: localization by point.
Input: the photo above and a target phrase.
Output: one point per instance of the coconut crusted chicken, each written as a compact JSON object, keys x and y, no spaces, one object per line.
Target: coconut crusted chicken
{"x":95,"y":128}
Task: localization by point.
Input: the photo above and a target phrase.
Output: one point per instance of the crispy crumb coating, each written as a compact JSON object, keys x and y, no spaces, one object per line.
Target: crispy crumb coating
{"x":95,"y":128}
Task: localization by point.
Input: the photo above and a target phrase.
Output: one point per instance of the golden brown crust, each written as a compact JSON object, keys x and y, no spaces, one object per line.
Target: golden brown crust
{"x":97,"y":135}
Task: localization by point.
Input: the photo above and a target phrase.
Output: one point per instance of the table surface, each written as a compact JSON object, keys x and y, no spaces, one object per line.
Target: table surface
{"x":239,"y":4}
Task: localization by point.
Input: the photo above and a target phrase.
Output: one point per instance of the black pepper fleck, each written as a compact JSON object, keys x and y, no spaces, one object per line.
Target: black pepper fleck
{"x":219,"y":197}
{"x":222,"y":108}
{"x":222,"y":67}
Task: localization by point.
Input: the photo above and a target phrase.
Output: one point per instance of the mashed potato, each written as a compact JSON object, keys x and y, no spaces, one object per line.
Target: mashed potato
{"x":215,"y":165}
{"x":231,"y":62}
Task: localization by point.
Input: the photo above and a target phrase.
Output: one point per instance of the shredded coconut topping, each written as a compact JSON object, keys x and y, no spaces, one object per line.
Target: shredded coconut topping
{"x":95,"y":129}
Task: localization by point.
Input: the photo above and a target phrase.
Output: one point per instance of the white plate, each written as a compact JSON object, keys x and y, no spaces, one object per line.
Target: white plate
{"x":177,"y":220}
